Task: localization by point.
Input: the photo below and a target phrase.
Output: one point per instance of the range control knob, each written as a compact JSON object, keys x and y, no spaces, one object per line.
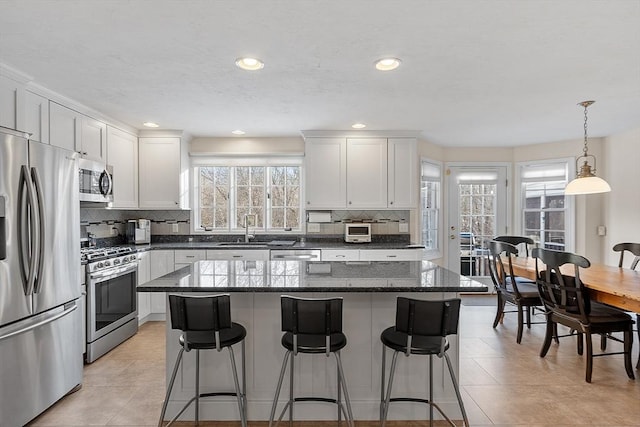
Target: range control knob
{"x":100,"y":265}
{"x":116,"y":261}
{"x":107,"y":263}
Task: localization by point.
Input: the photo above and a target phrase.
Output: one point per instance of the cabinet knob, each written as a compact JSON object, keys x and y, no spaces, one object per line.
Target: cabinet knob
{"x":308,"y":202}
{"x":177,"y":203}
{"x":390,"y":203}
{"x":349,"y":202}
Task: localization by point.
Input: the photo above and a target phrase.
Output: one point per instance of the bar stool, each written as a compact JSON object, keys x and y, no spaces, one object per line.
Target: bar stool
{"x":421,"y":329}
{"x":312,"y":326}
{"x":205,"y":322}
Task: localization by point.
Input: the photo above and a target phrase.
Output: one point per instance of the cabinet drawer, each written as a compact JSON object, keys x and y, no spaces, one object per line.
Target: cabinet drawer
{"x":238,"y":254}
{"x":390,"y":255}
{"x":187,"y":256}
{"x":340,"y":254}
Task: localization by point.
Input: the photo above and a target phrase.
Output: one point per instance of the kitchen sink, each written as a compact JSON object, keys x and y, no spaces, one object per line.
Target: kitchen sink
{"x":272,"y":243}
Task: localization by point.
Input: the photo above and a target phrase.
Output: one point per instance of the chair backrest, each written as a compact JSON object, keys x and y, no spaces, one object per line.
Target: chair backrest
{"x":427,"y":318}
{"x":634,"y":248}
{"x":200,"y":313}
{"x":561,"y":293}
{"x":502,"y":277}
{"x":313,"y":316}
{"x":516,"y":241}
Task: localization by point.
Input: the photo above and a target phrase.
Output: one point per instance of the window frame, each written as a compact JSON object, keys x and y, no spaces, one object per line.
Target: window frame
{"x":232,"y":163}
{"x":434,"y":252}
{"x":569,"y":202}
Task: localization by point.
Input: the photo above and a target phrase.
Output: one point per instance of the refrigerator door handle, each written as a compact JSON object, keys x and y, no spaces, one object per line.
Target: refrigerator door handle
{"x":26,"y":238}
{"x":42,"y":320}
{"x":41,"y":231}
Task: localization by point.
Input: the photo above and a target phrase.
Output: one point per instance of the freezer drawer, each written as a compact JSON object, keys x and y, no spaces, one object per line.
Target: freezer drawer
{"x":39,"y":365}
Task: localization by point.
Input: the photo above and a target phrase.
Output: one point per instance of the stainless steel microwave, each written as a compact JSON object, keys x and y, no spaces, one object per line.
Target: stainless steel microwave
{"x":357,"y":232}
{"x":96,"y":181}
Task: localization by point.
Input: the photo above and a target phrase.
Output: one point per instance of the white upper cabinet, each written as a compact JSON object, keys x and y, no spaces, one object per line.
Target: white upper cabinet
{"x":402,"y":173}
{"x":37,"y":117}
{"x":159,"y":172}
{"x":122,"y":154}
{"x":77,"y":132}
{"x":326,"y":172}
{"x":366,"y":173}
{"x":11,"y":94}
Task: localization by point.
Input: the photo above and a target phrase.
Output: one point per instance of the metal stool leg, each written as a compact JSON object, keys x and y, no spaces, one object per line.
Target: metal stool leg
{"x":239,"y":395}
{"x":431,"y":390}
{"x":197,"y":387}
{"x":173,"y":379}
{"x":457,"y":390}
{"x":291,"y":361}
{"x":388,"y":397}
{"x":344,"y":386}
{"x":382,"y":381}
{"x":278,"y":388}
{"x":339,"y":399}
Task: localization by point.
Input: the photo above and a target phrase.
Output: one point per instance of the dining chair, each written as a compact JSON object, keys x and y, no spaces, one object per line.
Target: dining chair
{"x":521,"y":292}
{"x":634,"y":249}
{"x":567,"y":302}
{"x":520,"y":242}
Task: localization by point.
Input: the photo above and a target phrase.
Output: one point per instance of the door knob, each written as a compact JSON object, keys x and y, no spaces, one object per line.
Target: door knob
{"x":452,"y":237}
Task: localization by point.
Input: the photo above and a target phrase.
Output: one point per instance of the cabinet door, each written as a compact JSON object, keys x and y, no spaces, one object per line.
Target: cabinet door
{"x":159,"y":173}
{"x":144,"y":298}
{"x":10,"y":93}
{"x":326,"y":178}
{"x":390,"y":255}
{"x":122,"y":154}
{"x":162,"y":262}
{"x":92,"y":138}
{"x":64,"y":127}
{"x":188,"y":256}
{"x":37,"y":117}
{"x":366,"y":173}
{"x":402,"y":173}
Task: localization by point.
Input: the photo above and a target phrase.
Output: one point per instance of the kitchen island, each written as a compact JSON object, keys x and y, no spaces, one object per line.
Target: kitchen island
{"x":369,"y":290}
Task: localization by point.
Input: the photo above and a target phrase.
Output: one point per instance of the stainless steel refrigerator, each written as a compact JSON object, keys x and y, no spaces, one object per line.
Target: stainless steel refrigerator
{"x":40,"y":315}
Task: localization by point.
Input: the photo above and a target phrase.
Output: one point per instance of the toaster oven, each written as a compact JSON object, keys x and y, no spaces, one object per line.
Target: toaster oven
{"x":357,"y":232}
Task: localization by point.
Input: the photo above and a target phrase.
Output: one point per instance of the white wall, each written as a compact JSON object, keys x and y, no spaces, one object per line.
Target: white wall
{"x":247,"y":146}
{"x":622,"y":205}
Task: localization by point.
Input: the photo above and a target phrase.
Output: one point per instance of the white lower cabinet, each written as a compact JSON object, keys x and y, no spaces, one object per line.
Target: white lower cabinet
{"x":372,"y":254}
{"x":144,"y":298}
{"x":161,"y":262}
{"x":340,"y":255}
{"x":188,"y":256}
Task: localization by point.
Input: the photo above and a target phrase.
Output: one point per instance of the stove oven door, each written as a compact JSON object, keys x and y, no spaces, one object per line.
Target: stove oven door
{"x":111,"y":300}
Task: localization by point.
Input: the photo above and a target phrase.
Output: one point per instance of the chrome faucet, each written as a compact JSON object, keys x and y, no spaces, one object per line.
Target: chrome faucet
{"x":247,"y":236}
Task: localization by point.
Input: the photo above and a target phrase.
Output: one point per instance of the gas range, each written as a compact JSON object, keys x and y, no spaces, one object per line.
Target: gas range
{"x":98,"y":259}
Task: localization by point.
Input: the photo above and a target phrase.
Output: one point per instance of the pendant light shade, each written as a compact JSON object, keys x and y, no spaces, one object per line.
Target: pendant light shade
{"x":586,"y":181}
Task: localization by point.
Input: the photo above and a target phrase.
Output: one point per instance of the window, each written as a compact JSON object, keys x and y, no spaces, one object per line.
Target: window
{"x":546,"y":216}
{"x":226,"y":195}
{"x":430,"y":204}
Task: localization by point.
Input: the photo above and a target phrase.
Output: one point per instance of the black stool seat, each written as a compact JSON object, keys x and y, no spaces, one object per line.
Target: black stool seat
{"x":421,"y":328}
{"x":206,"y":340}
{"x":420,"y":344}
{"x":312,"y":326}
{"x":205,"y":322}
{"x":314,"y":344}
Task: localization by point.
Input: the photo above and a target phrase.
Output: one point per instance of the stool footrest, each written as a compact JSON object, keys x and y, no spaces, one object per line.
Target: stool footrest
{"x":409,"y":399}
{"x":220,"y":393}
{"x":315,"y":399}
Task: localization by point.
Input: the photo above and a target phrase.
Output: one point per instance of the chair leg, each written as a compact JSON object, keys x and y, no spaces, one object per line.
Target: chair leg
{"x":170,"y":387}
{"x":638,"y":326}
{"x":528,"y":317}
{"x":603,"y":342}
{"x":589,"y":355}
{"x":197,"y":387}
{"x":520,"y":324}
{"x":278,"y":388}
{"x":456,"y":387}
{"x":388,"y":396}
{"x":239,"y":395}
{"x":339,"y":398}
{"x":291,"y":401}
{"x":431,"y":390}
{"x":382,"y":381}
{"x":344,"y":389}
{"x":500,"y":310}
{"x":628,"y":344}
{"x":579,"y":342}
{"x":551,"y":329}
{"x":555,"y":333}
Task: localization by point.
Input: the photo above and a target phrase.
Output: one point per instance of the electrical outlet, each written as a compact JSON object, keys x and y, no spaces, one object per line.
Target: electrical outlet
{"x":313,"y":228}
{"x":174,"y":228}
{"x":403,"y":227}
{"x":114,"y":231}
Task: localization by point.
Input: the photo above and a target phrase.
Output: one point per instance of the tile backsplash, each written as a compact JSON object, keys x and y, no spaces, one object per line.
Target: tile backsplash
{"x":382,"y":222}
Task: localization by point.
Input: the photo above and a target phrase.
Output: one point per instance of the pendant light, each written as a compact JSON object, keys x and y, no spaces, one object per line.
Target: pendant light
{"x":586,"y":182}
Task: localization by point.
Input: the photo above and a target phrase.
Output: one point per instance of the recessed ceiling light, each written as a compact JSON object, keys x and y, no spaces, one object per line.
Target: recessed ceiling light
{"x":358,"y":126}
{"x":151,"y":124}
{"x":238,"y":132}
{"x":250,"y":64}
{"x":387,"y":64}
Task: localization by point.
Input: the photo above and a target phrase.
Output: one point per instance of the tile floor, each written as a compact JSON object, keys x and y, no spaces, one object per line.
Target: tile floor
{"x":503,"y":383}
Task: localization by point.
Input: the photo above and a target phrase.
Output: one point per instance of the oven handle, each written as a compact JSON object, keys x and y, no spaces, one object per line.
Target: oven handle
{"x":104,"y":275}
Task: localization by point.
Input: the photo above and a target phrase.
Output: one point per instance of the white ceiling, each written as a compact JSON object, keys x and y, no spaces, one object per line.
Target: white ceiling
{"x":473,"y":73}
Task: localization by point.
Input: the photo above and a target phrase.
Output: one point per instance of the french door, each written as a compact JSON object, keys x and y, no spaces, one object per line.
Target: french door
{"x":477,"y":212}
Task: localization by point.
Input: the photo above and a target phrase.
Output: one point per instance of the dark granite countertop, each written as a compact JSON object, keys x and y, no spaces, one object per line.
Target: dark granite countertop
{"x":266,"y":245}
{"x":305,"y":276}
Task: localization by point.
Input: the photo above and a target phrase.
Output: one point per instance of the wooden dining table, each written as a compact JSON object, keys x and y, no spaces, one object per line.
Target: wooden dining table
{"x":615,"y":286}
